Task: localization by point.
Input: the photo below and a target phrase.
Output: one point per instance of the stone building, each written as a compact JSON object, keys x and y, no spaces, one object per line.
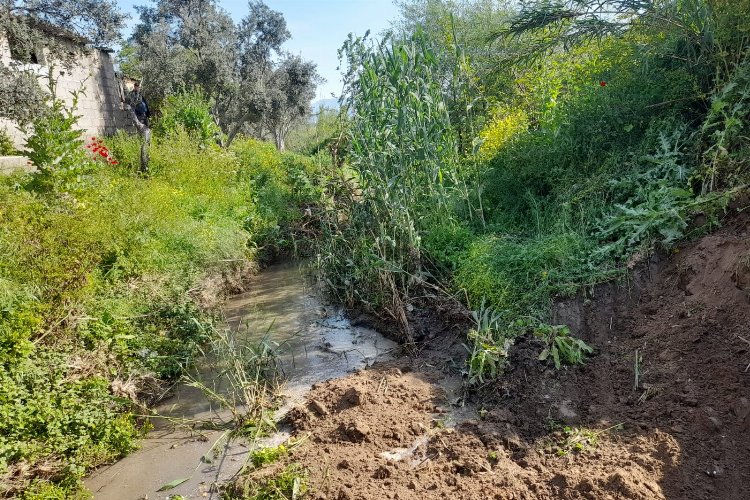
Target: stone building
{"x":100,"y":100}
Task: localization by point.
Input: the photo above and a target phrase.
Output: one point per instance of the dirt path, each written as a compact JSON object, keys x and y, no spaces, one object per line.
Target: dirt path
{"x":392,"y":431}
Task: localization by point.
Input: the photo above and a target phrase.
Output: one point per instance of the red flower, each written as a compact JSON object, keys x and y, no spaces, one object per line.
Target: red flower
{"x":602,"y":83}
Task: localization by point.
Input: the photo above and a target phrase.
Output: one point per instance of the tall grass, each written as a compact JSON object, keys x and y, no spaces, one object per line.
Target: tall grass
{"x":403,"y":158}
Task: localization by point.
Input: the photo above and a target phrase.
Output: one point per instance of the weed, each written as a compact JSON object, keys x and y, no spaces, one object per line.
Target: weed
{"x":289,"y":483}
{"x":563,"y":348}
{"x":488,"y":347}
{"x":568,"y":440}
{"x":244,"y":381}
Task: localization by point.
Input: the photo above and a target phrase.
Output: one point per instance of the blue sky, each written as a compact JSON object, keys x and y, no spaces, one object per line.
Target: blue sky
{"x":318,"y":27}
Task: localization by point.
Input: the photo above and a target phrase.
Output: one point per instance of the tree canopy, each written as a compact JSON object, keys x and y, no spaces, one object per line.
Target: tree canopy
{"x":33,"y":27}
{"x":253,"y":85}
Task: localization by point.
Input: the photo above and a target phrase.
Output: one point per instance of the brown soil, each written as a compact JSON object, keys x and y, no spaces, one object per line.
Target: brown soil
{"x":587,"y":432}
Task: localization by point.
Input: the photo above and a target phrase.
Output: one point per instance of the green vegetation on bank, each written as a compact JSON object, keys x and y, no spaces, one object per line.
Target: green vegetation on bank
{"x":101,"y":278}
{"x":522,"y":154}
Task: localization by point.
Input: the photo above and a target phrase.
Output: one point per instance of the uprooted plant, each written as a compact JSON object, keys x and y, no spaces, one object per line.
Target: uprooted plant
{"x":561,"y":346}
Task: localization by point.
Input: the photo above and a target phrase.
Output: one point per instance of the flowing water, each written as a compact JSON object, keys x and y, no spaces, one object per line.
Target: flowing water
{"x":318,"y":343}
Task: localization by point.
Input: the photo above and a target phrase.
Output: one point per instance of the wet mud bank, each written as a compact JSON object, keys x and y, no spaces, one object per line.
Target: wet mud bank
{"x":661,"y":411}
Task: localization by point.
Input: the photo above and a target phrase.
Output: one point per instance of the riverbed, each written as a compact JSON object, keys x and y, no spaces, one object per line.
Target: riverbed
{"x":315,"y":342}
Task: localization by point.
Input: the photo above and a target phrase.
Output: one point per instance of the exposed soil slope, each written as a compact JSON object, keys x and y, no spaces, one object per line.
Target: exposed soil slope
{"x":682,"y":433}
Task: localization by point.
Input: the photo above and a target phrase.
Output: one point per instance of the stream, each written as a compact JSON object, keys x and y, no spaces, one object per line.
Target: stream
{"x":319,"y":343}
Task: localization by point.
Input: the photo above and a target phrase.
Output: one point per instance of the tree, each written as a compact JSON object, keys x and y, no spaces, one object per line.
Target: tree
{"x":195,"y":43}
{"x":183,"y":42}
{"x":260,"y":35}
{"x":291,"y":88}
{"x":33,"y":26}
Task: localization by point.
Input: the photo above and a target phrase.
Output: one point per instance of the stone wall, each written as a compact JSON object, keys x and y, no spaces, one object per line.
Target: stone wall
{"x":99,"y":103}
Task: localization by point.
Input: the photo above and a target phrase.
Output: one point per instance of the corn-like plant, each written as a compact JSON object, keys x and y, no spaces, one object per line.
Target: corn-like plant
{"x":404,"y":156}
{"x":488,"y":345}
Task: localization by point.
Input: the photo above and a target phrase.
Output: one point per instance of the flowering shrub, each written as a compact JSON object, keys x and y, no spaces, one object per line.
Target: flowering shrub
{"x":98,"y":150}
{"x":499,"y":131}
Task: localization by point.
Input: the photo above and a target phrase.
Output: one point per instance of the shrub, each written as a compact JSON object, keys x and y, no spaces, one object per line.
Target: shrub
{"x":6,"y":144}
{"x":188,"y":110}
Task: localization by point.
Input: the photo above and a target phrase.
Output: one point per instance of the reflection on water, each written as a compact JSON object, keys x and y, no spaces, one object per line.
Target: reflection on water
{"x":316,"y":343}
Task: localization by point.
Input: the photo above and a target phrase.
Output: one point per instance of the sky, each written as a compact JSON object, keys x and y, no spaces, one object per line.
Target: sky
{"x":318,"y":28}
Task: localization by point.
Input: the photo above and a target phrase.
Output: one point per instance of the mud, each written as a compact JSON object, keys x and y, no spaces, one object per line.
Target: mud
{"x":314,"y":343}
{"x":679,"y":430}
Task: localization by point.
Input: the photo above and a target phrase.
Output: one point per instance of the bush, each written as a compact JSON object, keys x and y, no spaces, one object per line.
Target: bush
{"x":190,"y":111}
{"x":6,"y":144}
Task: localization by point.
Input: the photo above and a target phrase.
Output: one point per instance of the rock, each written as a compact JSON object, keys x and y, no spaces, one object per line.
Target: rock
{"x":382,"y":472}
{"x":318,"y":408}
{"x":356,"y":431}
{"x":355,"y":396}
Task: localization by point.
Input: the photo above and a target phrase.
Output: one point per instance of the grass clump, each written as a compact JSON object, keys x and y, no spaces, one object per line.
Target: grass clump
{"x":287,"y":483}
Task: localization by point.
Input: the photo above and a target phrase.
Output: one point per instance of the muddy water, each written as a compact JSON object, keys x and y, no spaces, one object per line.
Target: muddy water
{"x":316,"y":343}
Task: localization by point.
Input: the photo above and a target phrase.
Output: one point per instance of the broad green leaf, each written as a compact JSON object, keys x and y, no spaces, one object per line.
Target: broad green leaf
{"x":173,"y":484}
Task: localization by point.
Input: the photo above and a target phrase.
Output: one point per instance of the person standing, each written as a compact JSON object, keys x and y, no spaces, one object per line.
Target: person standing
{"x":139,"y":105}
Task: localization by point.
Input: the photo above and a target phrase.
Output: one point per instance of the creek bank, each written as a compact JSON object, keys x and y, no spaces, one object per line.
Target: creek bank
{"x":677,"y":429}
{"x":315,"y":342}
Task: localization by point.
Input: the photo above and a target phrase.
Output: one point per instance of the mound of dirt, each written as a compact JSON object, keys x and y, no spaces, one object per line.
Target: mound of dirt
{"x":661,"y":411}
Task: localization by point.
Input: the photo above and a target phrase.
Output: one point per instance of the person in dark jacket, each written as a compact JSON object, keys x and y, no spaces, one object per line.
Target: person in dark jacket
{"x":139,"y":104}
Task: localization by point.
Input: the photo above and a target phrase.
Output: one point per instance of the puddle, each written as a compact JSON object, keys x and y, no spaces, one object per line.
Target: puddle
{"x":318,"y":343}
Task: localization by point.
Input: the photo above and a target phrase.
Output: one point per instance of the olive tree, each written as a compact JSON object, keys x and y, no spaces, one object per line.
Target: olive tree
{"x":195,"y":43}
{"x":36,"y":27}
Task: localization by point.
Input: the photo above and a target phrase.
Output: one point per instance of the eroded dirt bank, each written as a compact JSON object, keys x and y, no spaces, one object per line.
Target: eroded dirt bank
{"x":588,"y":432}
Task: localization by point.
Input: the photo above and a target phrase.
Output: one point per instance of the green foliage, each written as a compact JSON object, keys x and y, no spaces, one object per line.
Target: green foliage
{"x":289,"y":483}
{"x":601,"y":137}
{"x":98,"y":291}
{"x":265,"y":456}
{"x":404,"y":160}
{"x":561,"y":346}
{"x":6,"y":144}
{"x":56,"y":148}
{"x":488,"y":346}
{"x":318,"y":136}
{"x":522,"y":275}
{"x":188,"y":110}
{"x":51,"y":413}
